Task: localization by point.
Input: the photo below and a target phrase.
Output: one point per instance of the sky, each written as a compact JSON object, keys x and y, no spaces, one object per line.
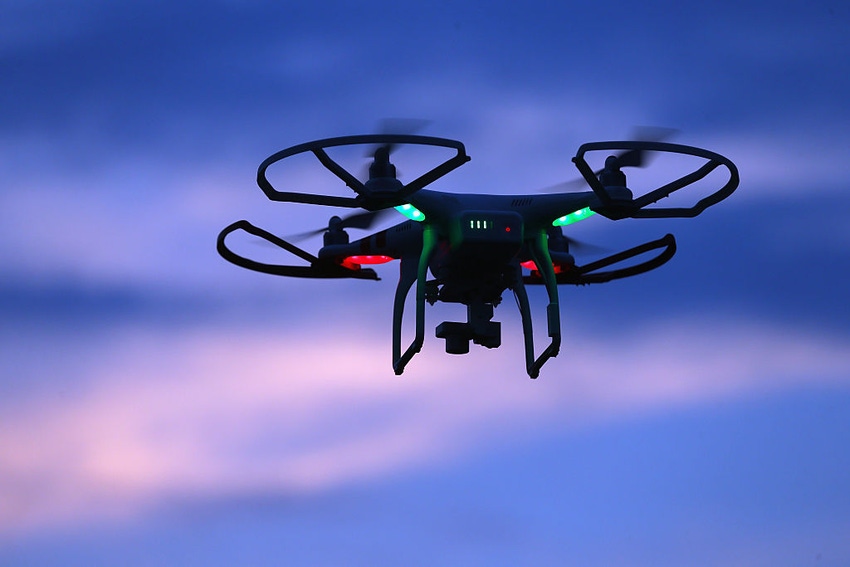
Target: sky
{"x":161,"y":406}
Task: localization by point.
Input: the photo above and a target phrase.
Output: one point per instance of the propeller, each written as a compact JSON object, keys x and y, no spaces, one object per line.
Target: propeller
{"x":639,"y":158}
{"x":626,"y":158}
{"x":380,"y":154}
{"x":363,"y":221}
{"x":405,"y":126}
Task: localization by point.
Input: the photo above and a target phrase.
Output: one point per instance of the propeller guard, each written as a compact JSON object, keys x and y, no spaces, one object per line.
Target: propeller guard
{"x":363,"y":199}
{"x":588,"y":274}
{"x":318,"y":268}
{"x":620,"y":208}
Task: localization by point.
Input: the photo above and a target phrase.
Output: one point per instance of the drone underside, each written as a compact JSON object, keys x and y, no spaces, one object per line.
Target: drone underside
{"x":475,"y":247}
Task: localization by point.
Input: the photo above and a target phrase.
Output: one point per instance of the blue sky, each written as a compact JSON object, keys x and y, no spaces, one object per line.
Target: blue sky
{"x":158,"y":404}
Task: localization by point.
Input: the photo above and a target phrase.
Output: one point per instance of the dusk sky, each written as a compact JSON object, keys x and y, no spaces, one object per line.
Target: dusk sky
{"x":160,"y":406}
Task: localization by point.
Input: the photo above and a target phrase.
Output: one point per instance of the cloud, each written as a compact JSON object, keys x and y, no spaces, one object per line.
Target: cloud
{"x":133,"y":135}
{"x":142,"y":417}
{"x":137,"y":218}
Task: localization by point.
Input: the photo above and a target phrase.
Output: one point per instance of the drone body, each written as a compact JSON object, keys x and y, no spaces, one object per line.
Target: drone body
{"x":475,"y":246}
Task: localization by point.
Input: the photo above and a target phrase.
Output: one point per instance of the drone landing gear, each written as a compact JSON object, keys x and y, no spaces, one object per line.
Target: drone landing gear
{"x":540,"y":254}
{"x":413,"y":270}
{"x":479,"y":328}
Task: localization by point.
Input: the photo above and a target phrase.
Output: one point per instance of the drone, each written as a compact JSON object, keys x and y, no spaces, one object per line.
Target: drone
{"x":469,"y":249}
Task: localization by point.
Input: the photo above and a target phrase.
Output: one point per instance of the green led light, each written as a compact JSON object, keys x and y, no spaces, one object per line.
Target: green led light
{"x":576,"y":216}
{"x":411,"y":212}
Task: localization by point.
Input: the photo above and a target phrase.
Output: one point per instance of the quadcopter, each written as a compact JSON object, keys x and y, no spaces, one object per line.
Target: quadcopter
{"x":470,"y":248}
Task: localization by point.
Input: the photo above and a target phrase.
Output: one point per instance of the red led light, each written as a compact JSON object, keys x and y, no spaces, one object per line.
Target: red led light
{"x":559,"y":268}
{"x":354,"y":262}
{"x":507,"y":229}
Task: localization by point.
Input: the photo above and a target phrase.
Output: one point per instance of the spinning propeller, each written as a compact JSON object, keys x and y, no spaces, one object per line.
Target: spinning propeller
{"x":363,"y":221}
{"x":383,"y":175}
{"x":627,"y":158}
{"x":382,"y":178}
{"x":396,"y":126}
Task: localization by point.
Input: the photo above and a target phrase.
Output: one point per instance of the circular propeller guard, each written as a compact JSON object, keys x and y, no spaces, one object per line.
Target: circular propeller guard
{"x":635,"y":207}
{"x":382,"y":190}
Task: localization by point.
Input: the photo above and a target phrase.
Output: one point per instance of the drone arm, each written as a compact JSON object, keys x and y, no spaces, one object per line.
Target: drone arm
{"x":412,"y":272}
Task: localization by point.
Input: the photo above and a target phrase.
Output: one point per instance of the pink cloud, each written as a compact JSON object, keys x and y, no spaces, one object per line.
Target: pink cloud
{"x":212,"y":412}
